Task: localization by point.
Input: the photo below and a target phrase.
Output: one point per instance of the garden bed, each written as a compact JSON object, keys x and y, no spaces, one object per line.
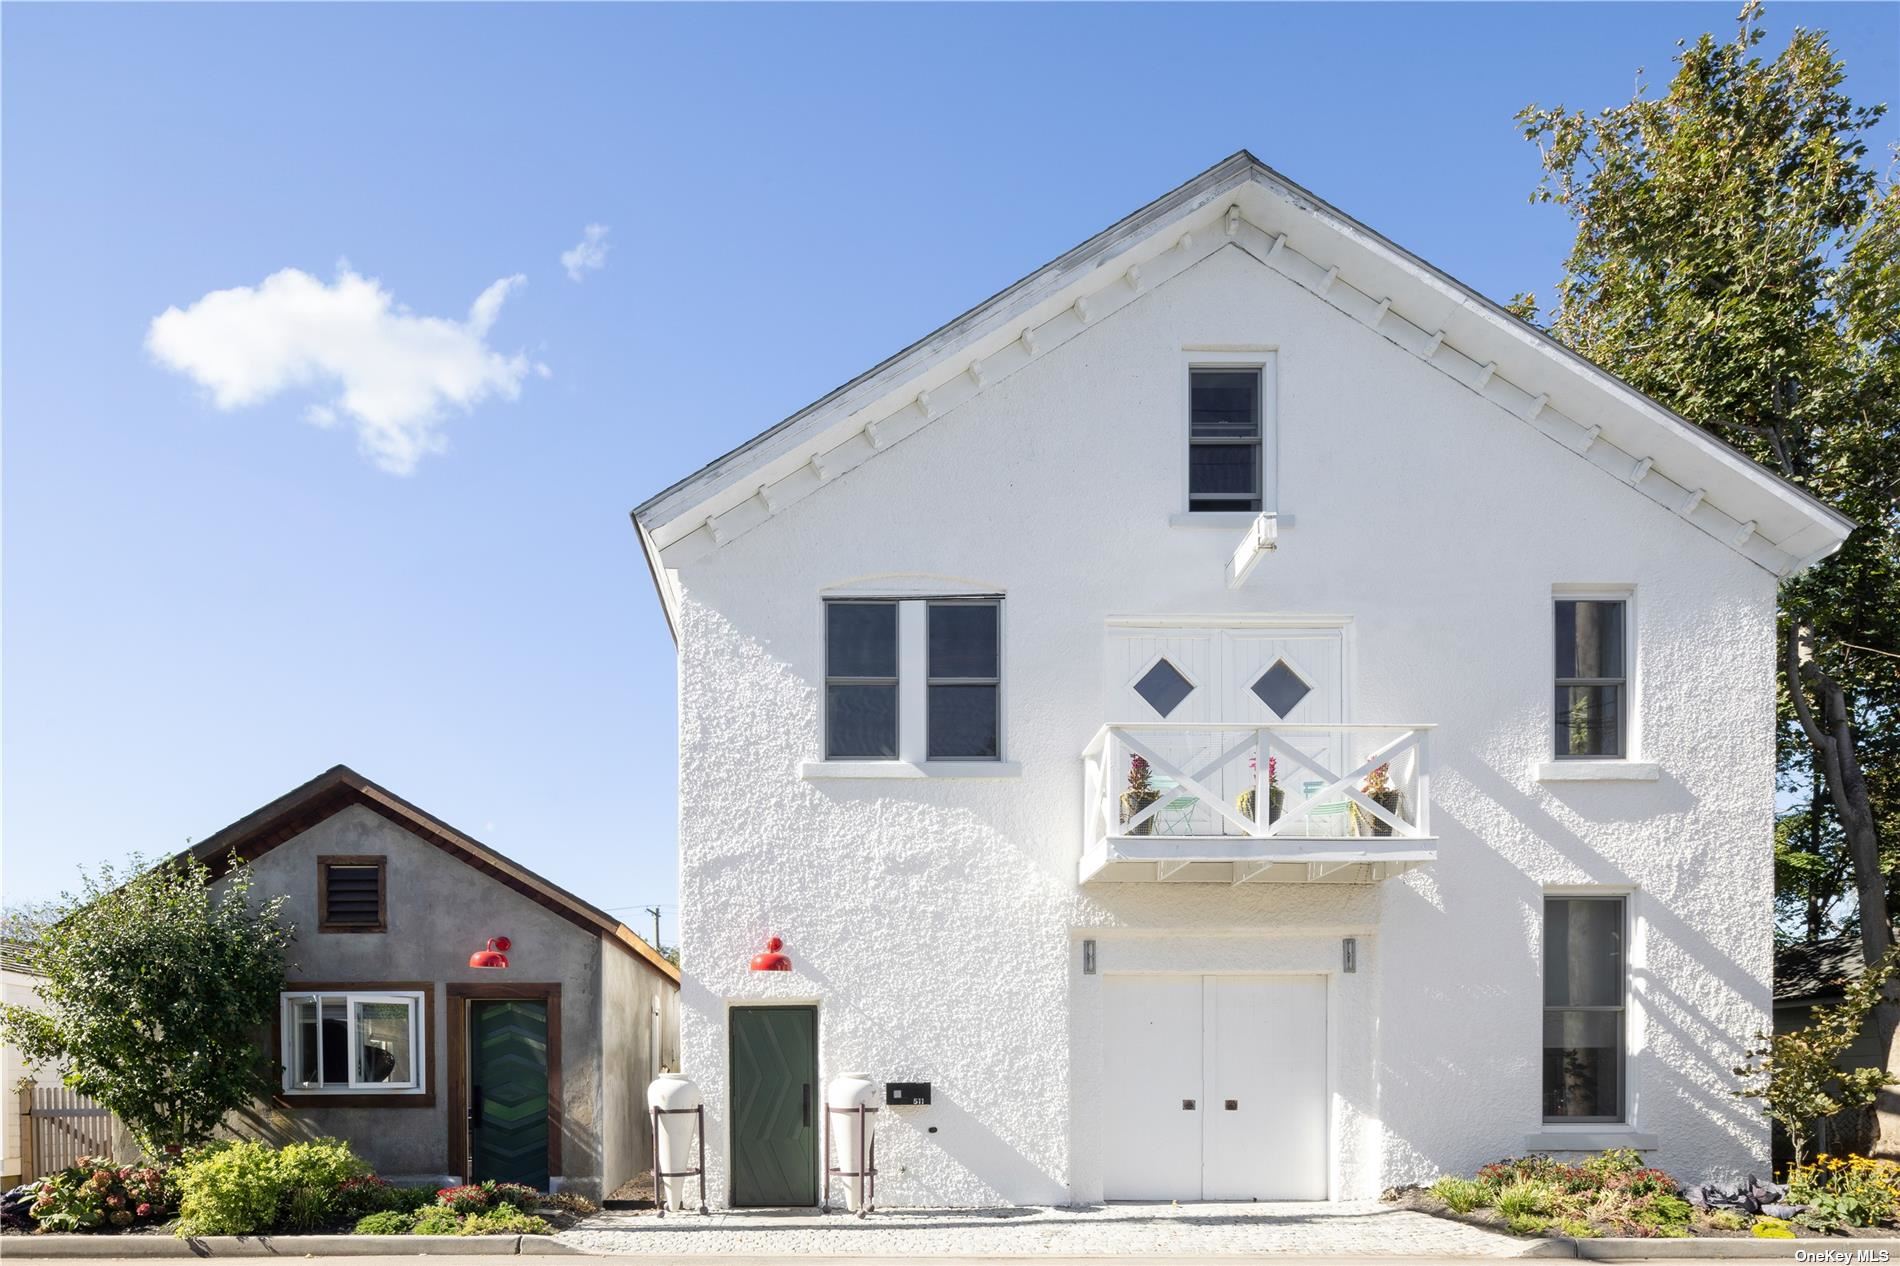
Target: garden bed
{"x":1615,"y":1196}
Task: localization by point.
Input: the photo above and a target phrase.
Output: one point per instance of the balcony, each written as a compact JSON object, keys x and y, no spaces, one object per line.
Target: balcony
{"x":1175,"y":802}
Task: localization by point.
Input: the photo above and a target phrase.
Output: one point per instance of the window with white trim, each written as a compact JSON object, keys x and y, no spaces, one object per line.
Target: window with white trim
{"x":352,"y":1042}
{"x":1226,"y":468}
{"x":1585,"y":984}
{"x":965,"y":674}
{"x":915,"y":680}
{"x":1591,"y":712}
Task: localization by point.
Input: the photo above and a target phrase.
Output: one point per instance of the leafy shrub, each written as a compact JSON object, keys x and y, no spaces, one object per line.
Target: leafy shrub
{"x":1575,"y":1228}
{"x":230,"y":1189}
{"x":1846,"y":1191}
{"x":388,"y":1222}
{"x":1461,"y":1195}
{"x":504,"y":1219}
{"x":249,"y":1188}
{"x":520,"y":1195}
{"x":408,"y":1199}
{"x":1727,"y":1220}
{"x":437,"y":1219}
{"x":1771,"y":1229}
{"x":96,"y":1195}
{"x":569,"y":1202}
{"x":1528,"y":1224}
{"x":313,"y":1176}
{"x":1525,"y":1197}
{"x":466,"y":1199}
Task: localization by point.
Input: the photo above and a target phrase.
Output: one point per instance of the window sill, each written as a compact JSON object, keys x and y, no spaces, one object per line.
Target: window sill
{"x":813,"y":769}
{"x":1596,"y":771}
{"x":1225,"y":519}
{"x":1596,"y":1138}
{"x":354,"y":1099}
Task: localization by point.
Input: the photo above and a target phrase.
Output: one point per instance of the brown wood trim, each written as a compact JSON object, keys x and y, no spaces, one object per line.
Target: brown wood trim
{"x":381,"y":863}
{"x":459,"y":996}
{"x":294,"y":1099}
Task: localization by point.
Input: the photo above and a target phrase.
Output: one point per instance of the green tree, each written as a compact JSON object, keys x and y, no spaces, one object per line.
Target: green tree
{"x":1737,"y":258}
{"x":1798,"y":1076}
{"x":155,"y":988}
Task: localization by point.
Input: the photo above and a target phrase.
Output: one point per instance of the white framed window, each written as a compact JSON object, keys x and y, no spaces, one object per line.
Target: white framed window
{"x":1594,"y":652}
{"x":964,"y":676}
{"x":353,"y":1043}
{"x":1586,"y":989}
{"x":913,"y":683}
{"x":1230,"y":435}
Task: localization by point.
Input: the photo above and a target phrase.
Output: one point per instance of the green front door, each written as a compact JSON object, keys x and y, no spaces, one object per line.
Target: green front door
{"x":508,"y":1091}
{"x":774,"y":1102}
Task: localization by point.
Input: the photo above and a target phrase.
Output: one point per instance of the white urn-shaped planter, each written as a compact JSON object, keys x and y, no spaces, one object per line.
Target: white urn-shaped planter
{"x":677,"y":1140}
{"x":851,"y":1129}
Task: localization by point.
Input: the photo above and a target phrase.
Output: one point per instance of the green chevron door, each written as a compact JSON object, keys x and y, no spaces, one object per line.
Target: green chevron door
{"x":774,"y":1102}
{"x":508,"y":1091}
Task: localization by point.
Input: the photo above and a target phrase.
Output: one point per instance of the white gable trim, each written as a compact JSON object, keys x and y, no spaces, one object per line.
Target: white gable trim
{"x":1243,"y":204}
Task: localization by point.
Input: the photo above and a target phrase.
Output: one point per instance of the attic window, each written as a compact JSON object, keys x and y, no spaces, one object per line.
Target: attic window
{"x":352,"y":894}
{"x":1225,"y":469}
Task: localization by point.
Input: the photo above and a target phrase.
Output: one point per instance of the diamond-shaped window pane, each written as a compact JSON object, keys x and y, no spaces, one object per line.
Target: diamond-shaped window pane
{"x":1281,"y":689}
{"x":1164,"y":687}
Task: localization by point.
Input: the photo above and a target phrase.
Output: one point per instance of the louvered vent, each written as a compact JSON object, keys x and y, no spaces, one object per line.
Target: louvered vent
{"x":353,"y":896}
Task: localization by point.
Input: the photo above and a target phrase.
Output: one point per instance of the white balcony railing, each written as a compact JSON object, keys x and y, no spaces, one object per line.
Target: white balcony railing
{"x":1180,"y":798}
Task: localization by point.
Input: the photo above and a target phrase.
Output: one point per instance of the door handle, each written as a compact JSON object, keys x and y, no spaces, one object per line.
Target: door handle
{"x":475,"y":1108}
{"x":804,"y":1106}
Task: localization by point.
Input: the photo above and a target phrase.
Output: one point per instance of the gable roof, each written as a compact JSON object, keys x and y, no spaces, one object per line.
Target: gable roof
{"x":1817,"y":971}
{"x":1243,"y":203}
{"x":339,"y":787}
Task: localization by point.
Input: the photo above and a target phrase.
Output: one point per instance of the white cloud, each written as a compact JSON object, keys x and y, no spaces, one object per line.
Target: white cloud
{"x":588,"y":255}
{"x":395,"y":372}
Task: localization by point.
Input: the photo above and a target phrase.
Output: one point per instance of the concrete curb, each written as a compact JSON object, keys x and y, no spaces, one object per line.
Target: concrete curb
{"x":98,"y":1247}
{"x":1838,"y":1249}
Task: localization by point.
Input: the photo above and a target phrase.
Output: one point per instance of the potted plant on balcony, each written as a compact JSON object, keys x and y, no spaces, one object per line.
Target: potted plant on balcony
{"x":1140,"y":794}
{"x":1275,"y":794}
{"x":1378,"y":789}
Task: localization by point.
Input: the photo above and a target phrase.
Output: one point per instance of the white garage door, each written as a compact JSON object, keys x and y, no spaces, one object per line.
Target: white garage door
{"x":1214,"y":1087}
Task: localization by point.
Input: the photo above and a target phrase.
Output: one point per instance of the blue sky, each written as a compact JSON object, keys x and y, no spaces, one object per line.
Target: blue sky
{"x":205,"y":606}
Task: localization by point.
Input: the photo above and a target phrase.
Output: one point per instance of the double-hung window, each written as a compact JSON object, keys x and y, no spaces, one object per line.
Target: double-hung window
{"x":1225,"y":466}
{"x":352,"y":1042}
{"x":914,"y":680}
{"x":861,"y":681}
{"x":965,"y":672}
{"x":1592,"y":678}
{"x":1584,"y":987}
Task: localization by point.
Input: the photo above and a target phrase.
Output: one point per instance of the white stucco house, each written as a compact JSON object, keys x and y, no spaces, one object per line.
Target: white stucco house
{"x":987,"y":658}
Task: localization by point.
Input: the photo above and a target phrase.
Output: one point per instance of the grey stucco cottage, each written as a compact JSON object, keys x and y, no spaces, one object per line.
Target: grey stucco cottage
{"x":432,"y":1068}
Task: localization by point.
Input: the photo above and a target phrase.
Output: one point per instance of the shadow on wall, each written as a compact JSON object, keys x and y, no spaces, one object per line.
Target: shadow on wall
{"x":961,"y":1135}
{"x":1477,"y":982}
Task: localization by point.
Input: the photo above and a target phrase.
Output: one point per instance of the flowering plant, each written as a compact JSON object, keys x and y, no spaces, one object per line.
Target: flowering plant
{"x":95,"y":1194}
{"x":1846,"y":1190}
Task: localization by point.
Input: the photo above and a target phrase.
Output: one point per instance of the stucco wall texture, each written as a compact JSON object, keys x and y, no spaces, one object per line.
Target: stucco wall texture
{"x":935,"y":921}
{"x":439,"y":910}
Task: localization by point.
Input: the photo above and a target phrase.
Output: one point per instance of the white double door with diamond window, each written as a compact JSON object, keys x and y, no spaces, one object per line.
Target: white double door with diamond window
{"x":1180,"y":678}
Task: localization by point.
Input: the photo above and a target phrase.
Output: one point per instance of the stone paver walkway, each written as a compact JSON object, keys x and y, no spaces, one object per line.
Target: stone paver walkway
{"x":1347,"y":1229}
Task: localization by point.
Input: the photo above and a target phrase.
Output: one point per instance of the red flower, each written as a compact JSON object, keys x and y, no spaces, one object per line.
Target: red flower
{"x":144,"y":1210}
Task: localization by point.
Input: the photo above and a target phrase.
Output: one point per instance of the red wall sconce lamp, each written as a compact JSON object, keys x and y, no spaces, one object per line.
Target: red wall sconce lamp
{"x":771,"y":960}
{"x":495,"y":956}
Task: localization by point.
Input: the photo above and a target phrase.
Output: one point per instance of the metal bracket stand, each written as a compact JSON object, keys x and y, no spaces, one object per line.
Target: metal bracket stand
{"x":660,"y":1175}
{"x":867,"y":1160}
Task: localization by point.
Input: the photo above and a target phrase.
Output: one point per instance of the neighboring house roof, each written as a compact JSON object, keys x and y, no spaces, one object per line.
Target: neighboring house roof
{"x":15,"y":956}
{"x":336,"y":789}
{"x":1241,"y":202}
{"x":1816,"y":971}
